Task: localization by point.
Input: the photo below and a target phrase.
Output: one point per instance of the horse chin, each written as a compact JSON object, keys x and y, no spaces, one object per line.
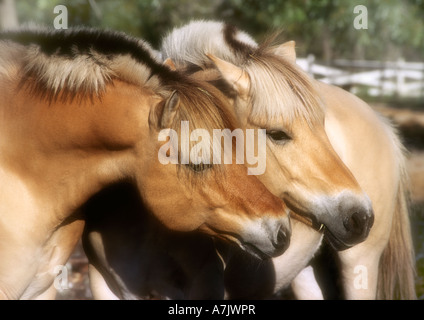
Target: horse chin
{"x":254,"y":251}
{"x":261,"y":254}
{"x":335,"y":242}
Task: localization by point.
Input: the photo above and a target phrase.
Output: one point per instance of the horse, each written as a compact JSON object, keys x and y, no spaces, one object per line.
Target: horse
{"x":382,"y":265}
{"x":313,"y":180}
{"x":303,"y":167}
{"x":83,"y":109}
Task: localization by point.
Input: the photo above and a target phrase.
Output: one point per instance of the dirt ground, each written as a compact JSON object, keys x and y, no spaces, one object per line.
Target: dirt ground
{"x":411,"y":126}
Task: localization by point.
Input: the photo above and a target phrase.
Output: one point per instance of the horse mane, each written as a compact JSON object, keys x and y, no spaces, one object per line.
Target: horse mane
{"x":279,"y":88}
{"x":186,"y":46}
{"x":397,"y":269}
{"x":79,"y":61}
{"x":205,"y":108}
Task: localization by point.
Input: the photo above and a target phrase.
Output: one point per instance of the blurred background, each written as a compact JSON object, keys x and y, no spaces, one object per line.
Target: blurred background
{"x":382,"y":60}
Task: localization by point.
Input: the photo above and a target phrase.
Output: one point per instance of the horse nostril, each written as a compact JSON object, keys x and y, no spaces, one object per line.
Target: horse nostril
{"x":282,"y":241}
{"x":281,"y":236}
{"x":356,"y":222}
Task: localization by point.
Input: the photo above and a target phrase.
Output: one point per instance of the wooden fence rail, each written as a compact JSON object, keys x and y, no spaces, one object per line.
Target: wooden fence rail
{"x":375,"y":78}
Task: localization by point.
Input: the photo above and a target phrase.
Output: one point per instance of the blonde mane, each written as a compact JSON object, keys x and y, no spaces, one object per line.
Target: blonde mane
{"x":187,"y":45}
{"x":279,"y":88}
{"x":206,"y":108}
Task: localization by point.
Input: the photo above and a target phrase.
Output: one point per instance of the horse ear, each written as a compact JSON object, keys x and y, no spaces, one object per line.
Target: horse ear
{"x":169,"y":110}
{"x":287,"y":50}
{"x":163,"y":113}
{"x":170,"y":64}
{"x":235,"y":76}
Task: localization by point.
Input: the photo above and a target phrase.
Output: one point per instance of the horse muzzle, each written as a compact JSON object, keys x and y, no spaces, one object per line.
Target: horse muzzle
{"x":351,"y":230}
{"x":346,"y":222}
{"x":267,"y":238}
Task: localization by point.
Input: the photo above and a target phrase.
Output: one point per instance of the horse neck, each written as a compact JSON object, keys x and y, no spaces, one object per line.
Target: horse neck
{"x":66,"y":151}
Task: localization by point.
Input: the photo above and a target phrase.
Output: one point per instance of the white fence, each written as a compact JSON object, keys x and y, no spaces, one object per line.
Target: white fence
{"x":375,"y":78}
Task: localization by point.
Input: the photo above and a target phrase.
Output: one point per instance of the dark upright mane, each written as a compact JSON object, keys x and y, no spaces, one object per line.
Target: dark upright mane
{"x":238,"y":47}
{"x":69,"y":43}
{"x":81,"y":60}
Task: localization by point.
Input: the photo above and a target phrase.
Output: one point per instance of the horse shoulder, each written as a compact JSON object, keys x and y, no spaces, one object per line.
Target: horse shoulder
{"x":355,"y":130}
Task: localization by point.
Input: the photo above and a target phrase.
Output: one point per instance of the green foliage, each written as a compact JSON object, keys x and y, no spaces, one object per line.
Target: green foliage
{"x":322,"y":27}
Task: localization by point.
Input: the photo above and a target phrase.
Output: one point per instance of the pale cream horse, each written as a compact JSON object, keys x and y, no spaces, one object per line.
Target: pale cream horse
{"x":82,"y":109}
{"x":382,"y":266}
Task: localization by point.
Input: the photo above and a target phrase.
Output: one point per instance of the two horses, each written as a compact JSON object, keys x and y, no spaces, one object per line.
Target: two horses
{"x":322,"y":144}
{"x":83,"y":110}
{"x":362,"y":140}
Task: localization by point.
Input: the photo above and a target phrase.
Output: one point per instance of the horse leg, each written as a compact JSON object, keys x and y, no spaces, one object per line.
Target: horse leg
{"x":304,"y":243}
{"x":366,"y":270}
{"x":95,"y":252}
{"x":18,"y":265}
{"x":99,"y":287}
{"x":305,"y":286}
{"x":18,"y":268}
{"x":55,"y":252}
{"x":27,"y":267}
{"x":359,"y":272}
{"x":49,"y":294}
{"x":359,"y":265}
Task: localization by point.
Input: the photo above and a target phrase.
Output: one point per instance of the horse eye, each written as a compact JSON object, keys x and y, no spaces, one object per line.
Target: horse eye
{"x":278,"y":135}
{"x":199,"y":167}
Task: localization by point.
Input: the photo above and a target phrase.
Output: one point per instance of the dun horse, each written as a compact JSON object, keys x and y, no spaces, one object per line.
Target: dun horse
{"x":263,"y":77}
{"x":82,"y":109}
